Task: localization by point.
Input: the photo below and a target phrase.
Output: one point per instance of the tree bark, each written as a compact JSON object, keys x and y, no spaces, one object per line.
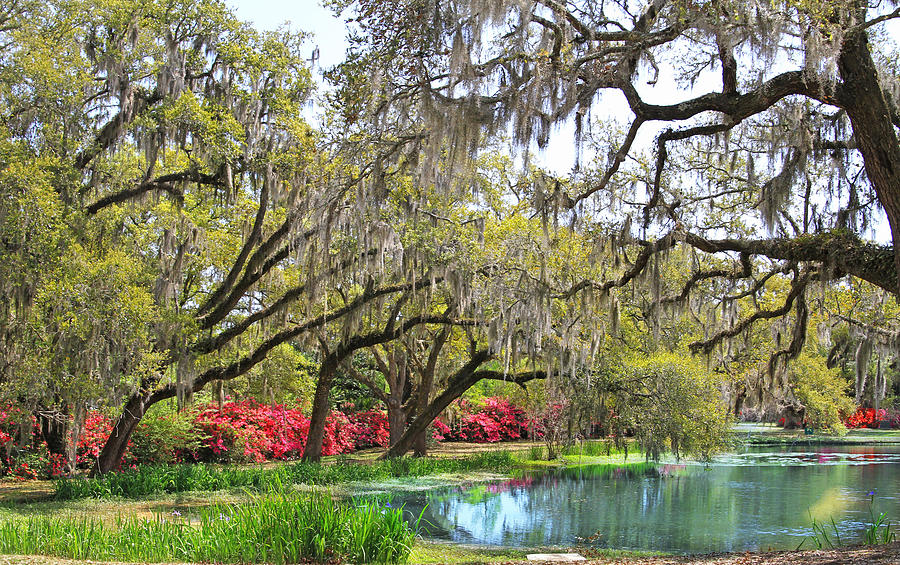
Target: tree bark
{"x":111,"y":455}
{"x":464,"y":378}
{"x":396,"y":418}
{"x":313,"y":448}
{"x":459,"y":383}
{"x":420,"y":442}
{"x":312,"y":451}
{"x":863,"y":99}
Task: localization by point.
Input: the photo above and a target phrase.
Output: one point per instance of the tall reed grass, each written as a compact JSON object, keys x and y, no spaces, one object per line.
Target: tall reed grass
{"x":150,"y":480}
{"x":274,"y":528}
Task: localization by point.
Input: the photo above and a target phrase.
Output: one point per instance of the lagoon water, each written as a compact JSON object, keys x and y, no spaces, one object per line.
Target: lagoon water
{"x":755,"y":500}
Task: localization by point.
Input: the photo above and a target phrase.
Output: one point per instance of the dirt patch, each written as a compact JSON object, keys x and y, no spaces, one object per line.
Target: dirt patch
{"x":858,"y":555}
{"x":12,"y":490}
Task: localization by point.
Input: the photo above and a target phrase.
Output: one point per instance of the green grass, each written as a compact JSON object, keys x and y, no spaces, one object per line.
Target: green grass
{"x":146,"y":481}
{"x":274,"y":528}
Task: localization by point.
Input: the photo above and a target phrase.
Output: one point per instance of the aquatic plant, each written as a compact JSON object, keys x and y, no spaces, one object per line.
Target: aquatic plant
{"x":879,"y":529}
{"x":275,"y":528}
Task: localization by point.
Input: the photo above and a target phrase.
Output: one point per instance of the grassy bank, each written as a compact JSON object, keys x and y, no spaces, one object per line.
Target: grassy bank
{"x":166,"y":514}
{"x":770,"y":434}
{"x":275,"y":528}
{"x":147,"y":481}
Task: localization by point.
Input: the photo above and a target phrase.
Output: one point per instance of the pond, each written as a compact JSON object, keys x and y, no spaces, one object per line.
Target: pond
{"x":756,"y":500}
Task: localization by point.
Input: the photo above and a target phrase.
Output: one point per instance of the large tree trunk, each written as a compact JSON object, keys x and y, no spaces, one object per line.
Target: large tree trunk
{"x":863,"y":99}
{"x":395,"y":372}
{"x":114,"y":449}
{"x":460,"y":383}
{"x":312,"y":451}
{"x":420,"y":442}
{"x":396,"y":418}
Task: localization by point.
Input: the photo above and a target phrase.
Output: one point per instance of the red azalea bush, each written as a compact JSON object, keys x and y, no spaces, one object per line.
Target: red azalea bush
{"x":866,"y":418}
{"x":248,"y":431}
{"x":372,"y":429}
{"x":496,"y":420}
{"x":33,"y":462}
{"x":94,"y":434}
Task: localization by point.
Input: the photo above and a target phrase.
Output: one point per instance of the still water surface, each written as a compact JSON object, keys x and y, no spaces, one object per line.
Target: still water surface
{"x":760,"y":499}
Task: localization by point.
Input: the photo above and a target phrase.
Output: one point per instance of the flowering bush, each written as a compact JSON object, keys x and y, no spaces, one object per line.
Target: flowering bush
{"x":511,"y":420}
{"x":37,"y":463}
{"x":248,"y":432}
{"x":866,"y":418}
{"x":440,"y":431}
{"x":496,"y":420}
{"x":96,"y":430}
{"x":372,"y":429}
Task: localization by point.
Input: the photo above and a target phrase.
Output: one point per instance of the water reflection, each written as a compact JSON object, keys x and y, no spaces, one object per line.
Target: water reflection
{"x":755,"y":500}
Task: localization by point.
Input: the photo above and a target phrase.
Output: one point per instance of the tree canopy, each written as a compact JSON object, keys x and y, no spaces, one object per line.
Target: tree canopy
{"x":171,"y":219}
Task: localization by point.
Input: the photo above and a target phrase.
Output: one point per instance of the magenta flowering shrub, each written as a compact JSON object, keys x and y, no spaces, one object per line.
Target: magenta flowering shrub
{"x":495,"y":420}
{"x":372,"y":429}
{"x":248,"y":431}
{"x":440,"y":431}
{"x":511,"y":420}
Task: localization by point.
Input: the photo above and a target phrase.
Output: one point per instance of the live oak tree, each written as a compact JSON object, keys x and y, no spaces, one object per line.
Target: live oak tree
{"x":202,"y":224}
{"x":171,"y":139}
{"x":775,"y":117}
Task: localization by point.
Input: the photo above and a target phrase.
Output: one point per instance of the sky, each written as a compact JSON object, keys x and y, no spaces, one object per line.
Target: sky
{"x":305,"y":15}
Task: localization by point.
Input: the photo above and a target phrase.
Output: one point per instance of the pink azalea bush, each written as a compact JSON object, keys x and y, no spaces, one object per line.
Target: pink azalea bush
{"x":495,"y":420}
{"x":372,"y":429}
{"x":248,"y":431}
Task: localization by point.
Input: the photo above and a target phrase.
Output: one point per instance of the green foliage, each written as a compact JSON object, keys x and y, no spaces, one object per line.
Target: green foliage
{"x":286,"y":376}
{"x":822,"y":391}
{"x":276,"y":528}
{"x":879,"y":529}
{"x":150,"y":480}
{"x":162,"y":433}
{"x":681,"y":411}
{"x":821,"y":538}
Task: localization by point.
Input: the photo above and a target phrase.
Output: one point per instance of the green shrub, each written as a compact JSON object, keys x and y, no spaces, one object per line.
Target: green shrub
{"x":682,"y":409}
{"x":163,"y":434}
{"x":822,"y":391}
